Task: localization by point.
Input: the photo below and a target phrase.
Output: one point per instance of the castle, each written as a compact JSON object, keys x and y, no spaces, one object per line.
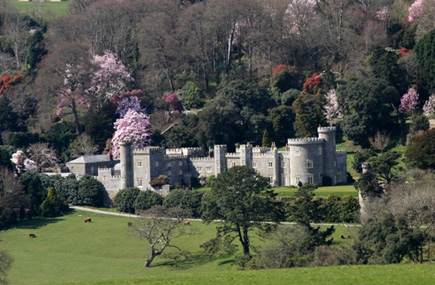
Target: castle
{"x":304,"y":160}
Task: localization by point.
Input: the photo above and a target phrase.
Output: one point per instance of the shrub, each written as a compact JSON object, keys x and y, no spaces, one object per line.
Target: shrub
{"x":125,"y":199}
{"x":53,"y":205}
{"x":90,"y":191}
{"x":188,"y":200}
{"x":146,"y":199}
{"x":23,"y":139}
{"x":360,"y":157}
{"x":421,"y":152}
{"x":159,"y":181}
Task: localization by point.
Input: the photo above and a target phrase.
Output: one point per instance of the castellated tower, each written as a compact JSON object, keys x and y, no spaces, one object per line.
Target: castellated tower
{"x":220,"y":152}
{"x":329,"y":159}
{"x":126,"y":157}
{"x":246,"y":155}
{"x":306,"y":160}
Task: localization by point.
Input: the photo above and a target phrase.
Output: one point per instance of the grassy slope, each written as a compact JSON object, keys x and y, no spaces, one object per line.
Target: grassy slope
{"x":67,"y":250}
{"x":58,"y":8}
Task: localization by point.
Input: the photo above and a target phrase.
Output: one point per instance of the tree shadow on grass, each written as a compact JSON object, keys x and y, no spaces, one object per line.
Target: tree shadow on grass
{"x":39,"y":222}
{"x":184,"y":259}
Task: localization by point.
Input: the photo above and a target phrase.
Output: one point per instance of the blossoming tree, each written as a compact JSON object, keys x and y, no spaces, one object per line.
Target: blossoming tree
{"x":134,"y":127}
{"x":409,"y":102}
{"x":429,"y":106}
{"x":331,"y":110}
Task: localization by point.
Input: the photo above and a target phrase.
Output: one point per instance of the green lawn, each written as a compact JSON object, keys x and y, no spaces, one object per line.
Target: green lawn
{"x":56,"y":8}
{"x":67,"y":250}
{"x":324,"y":191}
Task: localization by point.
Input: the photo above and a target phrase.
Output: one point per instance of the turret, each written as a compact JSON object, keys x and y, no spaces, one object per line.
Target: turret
{"x":220,"y":152}
{"x":246,"y":155}
{"x":126,"y":157}
{"x":329,"y":159}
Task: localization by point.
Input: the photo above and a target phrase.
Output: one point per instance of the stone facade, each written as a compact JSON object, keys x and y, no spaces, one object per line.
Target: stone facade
{"x":304,"y":160}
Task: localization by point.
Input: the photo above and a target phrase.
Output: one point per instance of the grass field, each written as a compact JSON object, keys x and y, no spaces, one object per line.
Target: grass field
{"x":285,"y":191}
{"x":56,"y":8}
{"x":68,"y":250}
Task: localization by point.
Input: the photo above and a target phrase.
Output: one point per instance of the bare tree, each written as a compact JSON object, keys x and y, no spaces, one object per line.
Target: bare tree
{"x":159,"y":227}
{"x":43,"y":155}
{"x":380,"y":140}
{"x":83,"y":145}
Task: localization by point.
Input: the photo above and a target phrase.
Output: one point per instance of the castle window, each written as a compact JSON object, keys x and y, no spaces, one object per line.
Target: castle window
{"x":139,"y":163}
{"x":270,"y":164}
{"x":284,"y":164}
{"x":338,"y":177}
{"x":180,"y":172}
{"x":233,"y":163}
{"x":168,"y":164}
{"x":208,"y":169}
{"x":320,"y":150}
{"x":310,"y":179}
{"x":309,"y":164}
{"x":199,"y":169}
{"x":297,"y":151}
{"x":104,"y":177}
{"x":284,"y":181}
{"x":297,"y":179}
{"x":335,"y":163}
{"x":157,"y":163}
{"x":270,"y":179}
{"x":254,"y":164}
{"x":180,"y":163}
{"x":139,"y":182}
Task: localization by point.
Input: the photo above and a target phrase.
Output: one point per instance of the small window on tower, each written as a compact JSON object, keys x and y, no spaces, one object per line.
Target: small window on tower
{"x":309,"y":164}
{"x":297,"y":151}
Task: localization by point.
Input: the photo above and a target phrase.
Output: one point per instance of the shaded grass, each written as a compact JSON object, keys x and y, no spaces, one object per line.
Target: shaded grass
{"x":66,"y":249}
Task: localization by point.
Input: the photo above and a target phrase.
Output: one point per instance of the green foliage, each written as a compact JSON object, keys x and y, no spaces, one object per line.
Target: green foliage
{"x":419,"y":123}
{"x":53,"y":205}
{"x":368,"y":107}
{"x":36,"y":49}
{"x":383,"y":165}
{"x":387,"y":239}
{"x":421,"y":152}
{"x":60,"y":137}
{"x":8,"y":118}
{"x":99,"y":123}
{"x":289,"y":96}
{"x":90,"y":191}
{"x":241,"y":200}
{"x":285,"y":80}
{"x":266,"y":140}
{"x":159,"y":181}
{"x":188,"y":200}
{"x":337,"y":209}
{"x":124,"y":200}
{"x":181,"y":137}
{"x":35,"y":191}
{"x":425,"y":50}
{"x":368,"y":185}
{"x":5,"y":156}
{"x":282,"y":118}
{"x":360,"y":157}
{"x":308,"y":109}
{"x":192,"y":95}
{"x":146,"y":199}
{"x":23,"y":139}
{"x":303,"y":209}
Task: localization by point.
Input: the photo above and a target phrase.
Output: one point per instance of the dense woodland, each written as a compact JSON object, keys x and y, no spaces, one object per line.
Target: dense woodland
{"x":181,"y":73}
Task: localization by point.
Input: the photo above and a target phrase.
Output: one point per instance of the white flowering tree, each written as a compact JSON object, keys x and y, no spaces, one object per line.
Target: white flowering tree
{"x":331,"y":109}
{"x":22,"y":163}
{"x":429,"y":106}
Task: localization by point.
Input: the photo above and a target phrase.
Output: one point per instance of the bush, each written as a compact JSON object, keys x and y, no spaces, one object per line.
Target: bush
{"x":53,"y":205}
{"x":146,"y":199}
{"x":159,"y":181}
{"x":360,"y":157}
{"x":188,"y":200}
{"x":90,"y":191}
{"x":421,"y":152}
{"x":23,"y":139}
{"x":124,"y":200}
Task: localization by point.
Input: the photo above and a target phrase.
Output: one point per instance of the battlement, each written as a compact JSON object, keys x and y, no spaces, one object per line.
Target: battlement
{"x":305,"y":141}
{"x":204,"y":158}
{"x":232,"y":155}
{"x":326,"y":129}
{"x":259,"y":149}
{"x":220,"y":146}
{"x":263,"y":155}
{"x":150,"y":150}
{"x":341,"y":153}
{"x":175,"y":157}
{"x":184,"y":151}
{"x":104,"y":169}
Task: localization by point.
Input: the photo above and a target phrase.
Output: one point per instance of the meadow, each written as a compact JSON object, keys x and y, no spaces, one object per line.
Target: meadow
{"x":102,"y":252}
{"x":56,"y":9}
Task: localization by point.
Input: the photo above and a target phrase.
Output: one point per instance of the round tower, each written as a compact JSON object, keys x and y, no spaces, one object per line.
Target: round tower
{"x":126,"y":161}
{"x":329,"y":160}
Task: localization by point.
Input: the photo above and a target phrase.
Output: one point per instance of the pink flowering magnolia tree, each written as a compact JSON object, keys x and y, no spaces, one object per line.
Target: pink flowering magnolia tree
{"x":129,"y":103}
{"x":22,"y":163}
{"x":111,"y":76}
{"x":416,"y":10}
{"x":429,"y":106}
{"x":331,"y":109}
{"x":409,"y":102}
{"x":134,"y":127}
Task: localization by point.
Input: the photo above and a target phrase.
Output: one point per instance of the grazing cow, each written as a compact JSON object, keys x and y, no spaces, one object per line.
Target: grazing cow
{"x":187,"y":223}
{"x":32,"y":235}
{"x":342,"y":237}
{"x":129,"y":224}
{"x":88,"y":220}
{"x":349,"y":237}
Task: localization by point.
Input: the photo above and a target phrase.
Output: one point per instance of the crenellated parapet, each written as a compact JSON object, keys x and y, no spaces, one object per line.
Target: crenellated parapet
{"x":150,"y":150}
{"x":232,"y":155}
{"x":340,"y":153}
{"x":259,"y":149}
{"x":305,"y":141}
{"x":326,"y":129}
{"x":204,"y":158}
{"x":264,"y":155}
{"x":186,"y":151}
